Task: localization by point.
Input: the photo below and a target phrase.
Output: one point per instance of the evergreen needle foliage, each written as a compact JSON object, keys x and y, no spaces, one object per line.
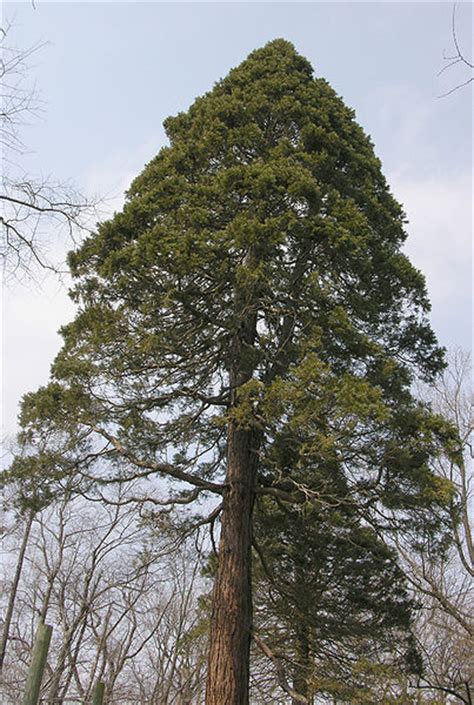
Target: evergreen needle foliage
{"x":250,"y":307}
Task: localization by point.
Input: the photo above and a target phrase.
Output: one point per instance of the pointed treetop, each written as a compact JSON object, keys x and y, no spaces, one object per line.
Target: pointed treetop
{"x":270,"y":78}
{"x":277,"y":57}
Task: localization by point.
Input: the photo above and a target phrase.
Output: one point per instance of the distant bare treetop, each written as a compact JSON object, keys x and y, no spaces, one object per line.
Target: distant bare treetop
{"x":20,"y":99}
{"x":32,"y":208}
{"x":456,"y":57}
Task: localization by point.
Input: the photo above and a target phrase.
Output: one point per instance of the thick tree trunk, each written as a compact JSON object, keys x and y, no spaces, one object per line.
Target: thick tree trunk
{"x":231,"y":622}
{"x":228,"y":670}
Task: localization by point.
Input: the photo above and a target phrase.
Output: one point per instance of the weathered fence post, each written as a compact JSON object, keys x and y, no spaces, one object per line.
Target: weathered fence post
{"x":38,"y":662}
{"x":98,"y":693}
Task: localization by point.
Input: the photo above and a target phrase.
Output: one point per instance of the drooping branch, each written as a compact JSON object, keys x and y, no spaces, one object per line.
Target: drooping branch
{"x":448,"y":691}
{"x":161,"y":468}
{"x":33,"y":209}
{"x":280,"y":671}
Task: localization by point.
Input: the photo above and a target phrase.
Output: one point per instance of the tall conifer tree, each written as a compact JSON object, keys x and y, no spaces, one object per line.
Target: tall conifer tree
{"x":248,"y":325}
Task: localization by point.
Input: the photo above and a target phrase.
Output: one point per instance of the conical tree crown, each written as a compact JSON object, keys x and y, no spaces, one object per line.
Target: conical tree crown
{"x":254,"y":274}
{"x":271,"y":159}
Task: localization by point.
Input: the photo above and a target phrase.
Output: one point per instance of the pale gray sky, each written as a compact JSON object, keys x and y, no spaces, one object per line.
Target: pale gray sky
{"x":112,"y":72}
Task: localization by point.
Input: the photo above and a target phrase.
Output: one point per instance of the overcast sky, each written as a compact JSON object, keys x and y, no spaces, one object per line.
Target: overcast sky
{"x":111,"y":72}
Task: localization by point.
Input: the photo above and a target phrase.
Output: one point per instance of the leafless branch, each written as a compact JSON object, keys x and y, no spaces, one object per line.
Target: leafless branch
{"x":458,"y":58}
{"x":34,"y":210}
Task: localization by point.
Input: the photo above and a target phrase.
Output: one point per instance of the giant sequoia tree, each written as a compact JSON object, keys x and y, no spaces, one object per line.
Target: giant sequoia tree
{"x":248,"y":326}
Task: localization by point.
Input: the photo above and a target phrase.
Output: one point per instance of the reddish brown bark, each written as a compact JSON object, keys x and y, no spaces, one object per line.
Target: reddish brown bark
{"x":228,"y":672}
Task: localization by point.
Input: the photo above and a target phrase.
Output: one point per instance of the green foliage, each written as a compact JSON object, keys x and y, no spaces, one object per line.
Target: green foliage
{"x":255,"y":277}
{"x":331,"y":597}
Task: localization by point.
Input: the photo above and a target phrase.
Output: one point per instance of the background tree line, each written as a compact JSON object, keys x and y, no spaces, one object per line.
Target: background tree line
{"x":128,"y":595}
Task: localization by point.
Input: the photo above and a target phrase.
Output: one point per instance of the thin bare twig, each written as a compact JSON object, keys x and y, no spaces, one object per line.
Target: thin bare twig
{"x":457,"y":58}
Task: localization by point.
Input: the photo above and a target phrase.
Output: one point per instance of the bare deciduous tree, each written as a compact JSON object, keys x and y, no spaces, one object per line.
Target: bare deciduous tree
{"x":33,"y":209}
{"x":124,"y":608}
{"x":13,"y":589}
{"x":445,"y":584}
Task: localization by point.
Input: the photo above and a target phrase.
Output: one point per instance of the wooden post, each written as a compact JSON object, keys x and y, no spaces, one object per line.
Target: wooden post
{"x":38,"y":662}
{"x":98,"y":693}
